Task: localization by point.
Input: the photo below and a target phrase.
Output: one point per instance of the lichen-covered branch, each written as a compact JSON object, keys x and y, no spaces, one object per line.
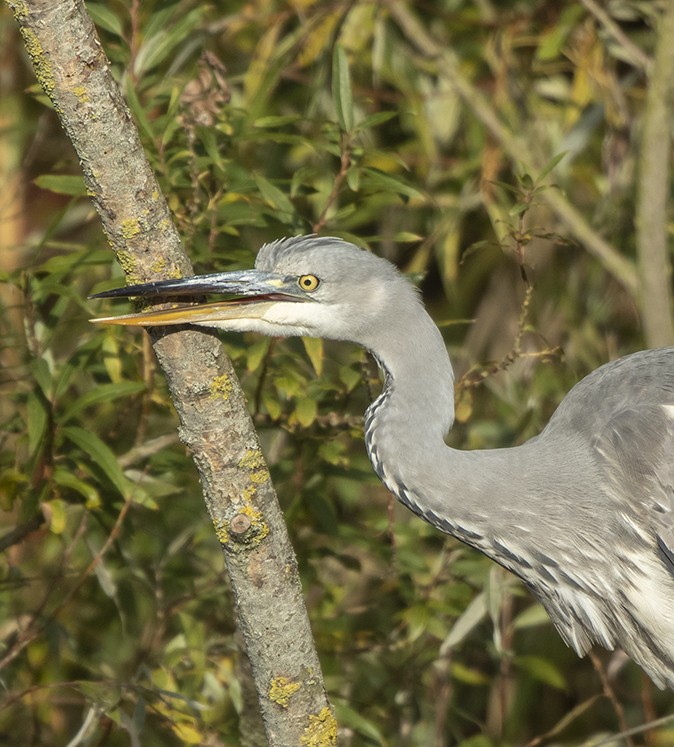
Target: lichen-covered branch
{"x":72,"y":68}
{"x":654,"y":188}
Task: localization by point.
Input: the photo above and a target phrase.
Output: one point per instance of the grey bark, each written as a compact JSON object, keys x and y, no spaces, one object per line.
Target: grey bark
{"x":72,"y":68}
{"x":653,"y":190}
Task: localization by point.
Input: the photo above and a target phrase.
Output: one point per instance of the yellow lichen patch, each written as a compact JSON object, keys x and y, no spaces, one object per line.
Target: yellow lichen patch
{"x":249,"y":492}
{"x":41,"y":65}
{"x":130,"y":228}
{"x":221,"y":531}
{"x":221,"y":387}
{"x":155,"y":195}
{"x":252,"y":460}
{"x":165,"y":225}
{"x":81,"y":93}
{"x":18,"y":7}
{"x":322,"y":730}
{"x":281,"y":690}
{"x":159,"y":264}
{"x":250,"y":538}
{"x":127,"y":262}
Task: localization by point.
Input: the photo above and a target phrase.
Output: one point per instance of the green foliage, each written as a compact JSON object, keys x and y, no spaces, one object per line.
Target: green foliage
{"x":115,"y":614}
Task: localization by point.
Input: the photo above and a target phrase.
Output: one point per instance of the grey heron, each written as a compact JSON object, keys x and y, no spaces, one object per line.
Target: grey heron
{"x":582,"y":513}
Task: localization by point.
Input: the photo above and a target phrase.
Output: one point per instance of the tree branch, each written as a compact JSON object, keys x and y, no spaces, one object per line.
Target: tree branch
{"x":653,"y":190}
{"x":73,"y":70}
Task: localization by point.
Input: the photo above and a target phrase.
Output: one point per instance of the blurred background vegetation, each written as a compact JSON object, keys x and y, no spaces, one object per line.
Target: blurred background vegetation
{"x":116,"y":623}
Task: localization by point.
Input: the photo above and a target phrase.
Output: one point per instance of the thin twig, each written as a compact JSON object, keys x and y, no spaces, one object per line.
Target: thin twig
{"x":344,"y":167}
{"x":639,"y":57}
{"x":21,"y":532}
{"x":630,"y":732}
{"x":149,"y":448}
{"x":608,"y":692}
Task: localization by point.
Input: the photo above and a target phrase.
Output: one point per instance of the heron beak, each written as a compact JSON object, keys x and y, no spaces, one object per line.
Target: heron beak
{"x":260,"y":291}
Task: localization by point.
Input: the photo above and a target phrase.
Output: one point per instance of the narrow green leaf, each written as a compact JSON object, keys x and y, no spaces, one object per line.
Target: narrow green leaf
{"x":466,"y":674}
{"x":519,"y":209}
{"x":42,"y":374}
{"x":62,"y":184}
{"x":341,"y":89}
{"x":275,"y":121}
{"x":380,"y":180}
{"x":348,"y":717}
{"x":404,"y":236}
{"x":161,"y":44}
{"x":525,"y":180}
{"x":273,"y":195}
{"x":111,"y":359}
{"x":471,"y":617}
{"x":551,"y":165}
{"x":101,"y":454}
{"x":541,"y":669}
{"x":375,"y":119}
{"x":137,"y":109}
{"x":353,"y":178}
{"x":508,"y":187}
{"x":532,"y":616}
{"x":105,"y":577}
{"x":103,"y":393}
{"x":36,"y":418}
{"x":66,"y":479}
{"x":105,"y":18}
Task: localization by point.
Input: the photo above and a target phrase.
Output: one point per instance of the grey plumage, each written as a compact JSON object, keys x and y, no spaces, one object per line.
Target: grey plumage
{"x":583,"y":513}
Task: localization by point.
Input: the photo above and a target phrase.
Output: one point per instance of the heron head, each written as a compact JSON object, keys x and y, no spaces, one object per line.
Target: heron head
{"x":303,"y":286}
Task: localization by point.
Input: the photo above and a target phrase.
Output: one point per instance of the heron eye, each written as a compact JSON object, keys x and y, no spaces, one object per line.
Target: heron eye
{"x":309,"y":282}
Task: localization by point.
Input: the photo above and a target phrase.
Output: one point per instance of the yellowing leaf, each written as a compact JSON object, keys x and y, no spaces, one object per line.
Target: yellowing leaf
{"x":314,"y":348}
{"x":306,"y":411}
{"x":318,"y":39}
{"x":256,"y":353}
{"x":463,"y":406}
{"x":358,"y":28}
{"x":260,"y":64}
{"x":187,"y":733}
{"x":56,"y":515}
{"x":273,"y":407}
{"x":111,"y":361}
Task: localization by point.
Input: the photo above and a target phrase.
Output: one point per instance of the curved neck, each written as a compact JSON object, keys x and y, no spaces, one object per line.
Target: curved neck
{"x":456,"y":491}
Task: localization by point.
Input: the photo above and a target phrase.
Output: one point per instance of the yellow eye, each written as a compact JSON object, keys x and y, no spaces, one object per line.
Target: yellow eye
{"x":309,"y":282}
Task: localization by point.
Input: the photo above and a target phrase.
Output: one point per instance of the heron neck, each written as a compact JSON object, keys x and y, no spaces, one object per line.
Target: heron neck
{"x":457,"y":491}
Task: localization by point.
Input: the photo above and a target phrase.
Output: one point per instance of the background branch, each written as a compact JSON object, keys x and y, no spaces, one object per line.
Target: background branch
{"x":653,"y":190}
